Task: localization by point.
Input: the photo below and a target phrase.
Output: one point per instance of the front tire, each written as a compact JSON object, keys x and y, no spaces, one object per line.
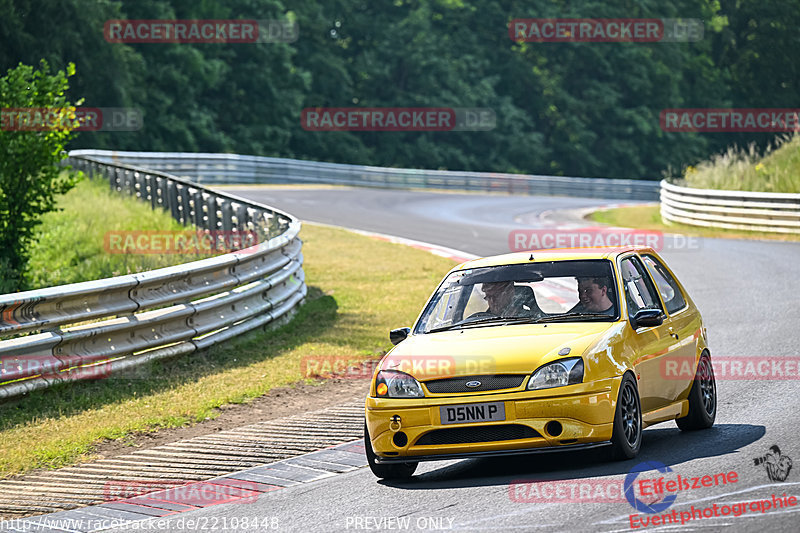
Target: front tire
{"x":384,"y":471}
{"x":626,"y":439}
{"x":702,"y":398}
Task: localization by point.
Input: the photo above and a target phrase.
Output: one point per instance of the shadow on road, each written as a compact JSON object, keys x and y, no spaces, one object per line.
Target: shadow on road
{"x":665,"y":445}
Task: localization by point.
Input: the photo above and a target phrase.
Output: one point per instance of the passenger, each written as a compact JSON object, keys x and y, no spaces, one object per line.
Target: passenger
{"x":594,"y":295}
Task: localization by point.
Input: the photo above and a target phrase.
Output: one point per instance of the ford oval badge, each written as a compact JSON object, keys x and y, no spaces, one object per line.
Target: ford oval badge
{"x":473,"y":384}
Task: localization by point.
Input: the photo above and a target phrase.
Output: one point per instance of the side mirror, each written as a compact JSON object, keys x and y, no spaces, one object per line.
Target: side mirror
{"x":647,"y":318}
{"x":398,"y":335}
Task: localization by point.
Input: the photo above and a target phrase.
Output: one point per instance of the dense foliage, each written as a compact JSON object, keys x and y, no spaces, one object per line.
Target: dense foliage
{"x":30,"y":175}
{"x":581,"y":109}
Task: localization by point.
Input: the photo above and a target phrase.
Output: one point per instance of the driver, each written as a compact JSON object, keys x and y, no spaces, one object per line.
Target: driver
{"x":499,"y":295}
{"x":593,"y":295}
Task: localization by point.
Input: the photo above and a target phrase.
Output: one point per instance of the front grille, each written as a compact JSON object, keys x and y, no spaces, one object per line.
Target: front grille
{"x":477,"y":434}
{"x":488,"y":382}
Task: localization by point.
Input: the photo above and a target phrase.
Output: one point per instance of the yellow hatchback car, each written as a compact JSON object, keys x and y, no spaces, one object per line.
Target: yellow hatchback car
{"x":548,"y":350}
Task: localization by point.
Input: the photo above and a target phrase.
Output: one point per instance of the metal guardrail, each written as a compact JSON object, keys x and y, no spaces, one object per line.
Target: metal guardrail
{"x":161,"y":313}
{"x":744,"y":210}
{"x":242,"y":169}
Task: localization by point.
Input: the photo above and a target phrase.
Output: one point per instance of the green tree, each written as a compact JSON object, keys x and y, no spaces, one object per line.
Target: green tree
{"x":31,"y":149}
{"x":579,"y":109}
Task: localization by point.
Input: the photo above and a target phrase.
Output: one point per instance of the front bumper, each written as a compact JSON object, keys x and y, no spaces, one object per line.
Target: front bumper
{"x":585,"y":413}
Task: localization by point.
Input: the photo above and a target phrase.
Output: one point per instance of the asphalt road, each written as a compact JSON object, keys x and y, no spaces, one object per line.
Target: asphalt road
{"x":747,"y":292}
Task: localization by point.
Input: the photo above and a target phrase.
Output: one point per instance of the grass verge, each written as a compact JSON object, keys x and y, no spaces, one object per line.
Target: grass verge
{"x":359,"y":288}
{"x":649,"y":217}
{"x":778,"y":170}
{"x":69,"y":246}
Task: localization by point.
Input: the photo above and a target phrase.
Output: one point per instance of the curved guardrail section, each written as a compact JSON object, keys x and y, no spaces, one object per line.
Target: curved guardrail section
{"x":753,"y":211}
{"x":232,"y":168}
{"x":91,"y":329}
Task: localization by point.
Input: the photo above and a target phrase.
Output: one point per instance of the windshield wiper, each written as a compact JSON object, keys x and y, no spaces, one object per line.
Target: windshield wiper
{"x":572,"y":316}
{"x":524,"y":320}
{"x":469,"y":323}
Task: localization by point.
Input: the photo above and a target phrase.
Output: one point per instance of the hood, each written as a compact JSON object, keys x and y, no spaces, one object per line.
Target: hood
{"x":512,"y":349}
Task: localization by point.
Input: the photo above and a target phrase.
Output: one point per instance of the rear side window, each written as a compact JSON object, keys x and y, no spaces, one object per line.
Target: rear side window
{"x":670,"y":292}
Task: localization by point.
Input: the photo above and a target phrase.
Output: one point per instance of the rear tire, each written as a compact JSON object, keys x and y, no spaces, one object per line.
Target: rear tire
{"x":702,"y":398}
{"x":626,"y":439}
{"x":384,"y":471}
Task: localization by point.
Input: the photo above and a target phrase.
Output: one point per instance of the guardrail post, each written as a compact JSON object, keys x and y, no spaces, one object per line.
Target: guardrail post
{"x":241,"y":216}
{"x":138,"y":185}
{"x":183,"y":204}
{"x":113,"y":178}
{"x":198,"y":204}
{"x":152,"y":190}
{"x":227,"y":215}
{"x":130,"y":182}
{"x":162,"y":190}
{"x":211,"y":220}
{"x":172,"y":199}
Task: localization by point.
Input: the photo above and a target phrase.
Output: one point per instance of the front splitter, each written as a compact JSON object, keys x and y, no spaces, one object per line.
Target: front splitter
{"x":498,"y":453}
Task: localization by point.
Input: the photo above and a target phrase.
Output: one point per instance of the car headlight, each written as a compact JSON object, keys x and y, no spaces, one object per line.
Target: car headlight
{"x":396,"y":384}
{"x":557,"y":374}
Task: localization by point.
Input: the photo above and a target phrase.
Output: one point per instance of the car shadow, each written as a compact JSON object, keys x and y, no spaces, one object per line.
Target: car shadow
{"x":669,"y":446}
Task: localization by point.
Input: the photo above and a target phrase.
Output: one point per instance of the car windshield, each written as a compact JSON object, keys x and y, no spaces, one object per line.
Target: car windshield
{"x":557,"y":291}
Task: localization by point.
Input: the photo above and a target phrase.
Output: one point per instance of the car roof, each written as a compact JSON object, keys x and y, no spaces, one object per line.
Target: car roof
{"x":554,"y":254}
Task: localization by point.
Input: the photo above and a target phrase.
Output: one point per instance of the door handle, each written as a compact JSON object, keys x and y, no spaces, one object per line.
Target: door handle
{"x":672,"y":333}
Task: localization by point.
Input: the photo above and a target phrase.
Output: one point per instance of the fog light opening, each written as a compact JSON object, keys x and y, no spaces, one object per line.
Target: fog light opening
{"x":400,"y":439}
{"x":553,"y":428}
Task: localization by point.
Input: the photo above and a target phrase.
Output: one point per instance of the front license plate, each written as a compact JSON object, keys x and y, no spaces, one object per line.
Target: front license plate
{"x":475,"y":412}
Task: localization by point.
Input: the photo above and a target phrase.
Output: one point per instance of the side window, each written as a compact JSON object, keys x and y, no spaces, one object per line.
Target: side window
{"x":670,"y":292}
{"x":444,"y":312}
{"x":639,"y":290}
{"x":476,"y":302}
